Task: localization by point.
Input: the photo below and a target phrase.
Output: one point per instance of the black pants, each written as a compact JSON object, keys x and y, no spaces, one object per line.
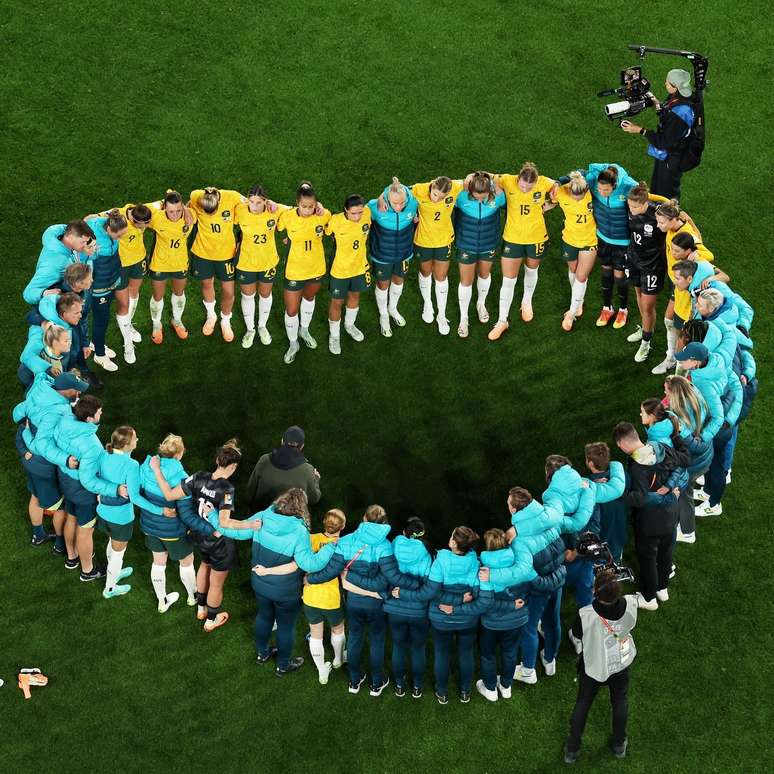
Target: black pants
{"x":654,"y":553}
{"x":666,"y":177}
{"x":587,"y":691}
{"x":100,"y":317}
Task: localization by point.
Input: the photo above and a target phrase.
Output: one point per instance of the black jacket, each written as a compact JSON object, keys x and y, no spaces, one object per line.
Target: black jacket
{"x":670,"y":135}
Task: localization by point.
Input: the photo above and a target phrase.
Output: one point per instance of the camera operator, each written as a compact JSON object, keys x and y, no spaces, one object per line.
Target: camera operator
{"x":668,"y":143}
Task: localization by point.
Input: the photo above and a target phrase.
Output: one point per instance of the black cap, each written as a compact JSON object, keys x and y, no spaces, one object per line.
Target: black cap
{"x":293,"y":436}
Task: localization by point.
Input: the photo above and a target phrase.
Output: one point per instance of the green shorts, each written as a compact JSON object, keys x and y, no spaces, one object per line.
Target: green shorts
{"x":204,"y":269}
{"x":135,"y":271}
{"x":251,"y":277}
{"x":359,"y":284}
{"x":301,"y":284}
{"x":463,"y":256}
{"x":160,"y":276}
{"x":121,"y":533}
{"x":570,"y":252}
{"x":514,"y":250}
{"x":315,"y":615}
{"x":385,"y":271}
{"x":678,"y":322}
{"x":424,"y":254}
{"x":177,"y":549}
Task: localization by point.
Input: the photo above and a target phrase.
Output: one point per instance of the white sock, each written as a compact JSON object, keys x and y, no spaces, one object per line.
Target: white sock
{"x":425,"y":288}
{"x":114,"y":565}
{"x":188,"y":578}
{"x":307,"y":310}
{"x":571,"y":276}
{"x":335,"y":328}
{"x":133,"y":307}
{"x":671,"y":334}
{"x":395,"y":291}
{"x":159,"y":580}
{"x":350,"y":316}
{"x":506,"y":298}
{"x":464,"y":294}
{"x":248,"y":310}
{"x":530,"y":283}
{"x":482,"y":286}
{"x":381,"y":301}
{"x":225,"y":318}
{"x":156,"y":308}
{"x":210,"y":307}
{"x":264,"y":308}
{"x":318,"y":653}
{"x":125,"y":326}
{"x":291,"y":327}
{"x":441,"y":294}
{"x":178,"y":307}
{"x":338,"y":643}
{"x":578,"y":294}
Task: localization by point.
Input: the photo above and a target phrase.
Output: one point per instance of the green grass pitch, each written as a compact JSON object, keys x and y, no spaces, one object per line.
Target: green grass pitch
{"x":118,"y":102}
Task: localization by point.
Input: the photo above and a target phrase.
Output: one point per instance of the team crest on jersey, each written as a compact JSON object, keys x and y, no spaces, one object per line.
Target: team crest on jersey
{"x":226,"y":214}
{"x":186,"y":227}
{"x":449,"y":200}
{"x":365,"y":228}
{"x":589,"y":206}
{"x":318,"y":229}
{"x":227,"y":498}
{"x":270,"y":223}
{"x":537,"y":196}
{"x":647,"y":228}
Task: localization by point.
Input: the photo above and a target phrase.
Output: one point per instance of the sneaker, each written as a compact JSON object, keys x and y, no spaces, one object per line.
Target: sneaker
{"x":416,"y":692}
{"x":248,"y":339}
{"x":264,"y":336}
{"x":292,"y":666}
{"x":570,"y":756}
{"x":621,"y":318}
{"x":644,"y":604}
{"x":354,"y":332}
{"x":157,"y":335}
{"x":465,"y":697}
{"x":667,"y":364}
{"x":527,"y":315}
{"x":462,"y":329}
{"x":290,"y":355}
{"x":201,"y":613}
{"x":633,"y":338}
{"x":226,"y":331}
{"x":334,"y":346}
{"x":129,"y":356}
{"x":528,"y":676}
{"x":191,"y":601}
{"x":504,"y":692}
{"x":568,"y":321}
{"x":548,"y":666}
{"x":376,"y":690}
{"x":605,"y":316}
{"x":683,"y":537}
{"x":728,"y":477}
{"x":399,"y":691}
{"x":213,"y":623}
{"x":619,"y":750}
{"x":428,"y":314}
{"x":673,"y":572}
{"x":576,"y":643}
{"x":111,"y":353}
{"x":443,"y":326}
{"x":105,"y":362}
{"x":700,"y":495}
{"x":485,"y":692}
{"x":72,"y":564}
{"x":705,"y":509}
{"x":700,"y":479}
{"x":384,"y":326}
{"x":125,"y":573}
{"x":263,"y":658}
{"x":58,"y":550}
{"x":307,"y":338}
{"x":168,"y":601}
{"x":209,"y":326}
{"x":116,"y":591}
{"x":180,"y":330}
{"x":398,"y":318}
{"x":96,"y":572}
{"x":641,"y":355}
{"x":483,"y":315}
{"x":355,"y":687}
{"x":442,"y":698}
{"x":662,"y":595}
{"x":39,"y":541}
{"x":497,"y":331}
{"x":134,"y":334}
{"x":324,"y":673}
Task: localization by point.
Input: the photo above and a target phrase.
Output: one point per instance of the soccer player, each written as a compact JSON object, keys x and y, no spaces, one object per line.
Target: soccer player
{"x":171,"y":222}
{"x":350,"y":271}
{"x":391,"y":248}
{"x":212,"y":253}
{"x":524,"y":237}
{"x":305,"y":268}
{"x":579,"y":240}
{"x":478,"y":230}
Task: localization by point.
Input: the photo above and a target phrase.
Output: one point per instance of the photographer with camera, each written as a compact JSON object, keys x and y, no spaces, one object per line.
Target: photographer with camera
{"x":669,"y":142}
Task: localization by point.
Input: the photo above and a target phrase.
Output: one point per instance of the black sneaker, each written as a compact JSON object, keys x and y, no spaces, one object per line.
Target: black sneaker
{"x":355,"y":687}
{"x":97,"y":572}
{"x":442,"y":698}
{"x":58,"y":550}
{"x":416,"y":693}
{"x":263,"y":658}
{"x":39,"y":541}
{"x":72,"y":564}
{"x":465,"y":697}
{"x":292,"y":666}
{"x":570,"y":756}
{"x":399,"y":690}
{"x":619,"y":750}
{"x":376,"y":690}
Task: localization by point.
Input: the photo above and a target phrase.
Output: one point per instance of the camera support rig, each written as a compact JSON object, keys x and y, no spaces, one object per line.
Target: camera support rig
{"x":699,"y":62}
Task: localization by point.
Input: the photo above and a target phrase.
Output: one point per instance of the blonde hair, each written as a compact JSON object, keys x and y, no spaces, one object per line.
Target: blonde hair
{"x":578,"y":184}
{"x":120,"y":438}
{"x":686,"y":403}
{"x":481,"y":182}
{"x":494,"y":539}
{"x":397,"y":188}
{"x":441,"y":184}
{"x":669,"y":210}
{"x":334,"y":521}
{"x":376,"y":514}
{"x":209,"y":200}
{"x":528,"y":172}
{"x":294,"y":502}
{"x":171,"y":445}
{"x":53,"y":334}
{"x":713,"y":297}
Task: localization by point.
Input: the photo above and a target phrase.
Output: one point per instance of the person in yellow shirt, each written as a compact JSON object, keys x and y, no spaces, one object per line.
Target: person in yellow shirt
{"x":305,"y":266}
{"x":171,"y":221}
{"x":212,"y":253}
{"x":524,"y":238}
{"x":256,"y":260}
{"x":350,"y":271}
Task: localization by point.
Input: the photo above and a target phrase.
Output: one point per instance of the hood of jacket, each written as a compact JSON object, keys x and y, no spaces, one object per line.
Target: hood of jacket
{"x":704,"y":270}
{"x":565,"y":484}
{"x":287,"y":457}
{"x":411,"y":555}
{"x":458,"y":569}
{"x":530,"y":520}
{"x":502,"y":557}
{"x":42,"y":393}
{"x":652,"y":453}
{"x":714,"y":374}
{"x":661,"y":432}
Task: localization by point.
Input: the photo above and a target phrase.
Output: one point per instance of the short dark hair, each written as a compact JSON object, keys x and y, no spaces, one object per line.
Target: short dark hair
{"x":79,"y":228}
{"x":67,"y":301}
{"x":598,"y":454}
{"x":518,"y":498}
{"x":553,"y":463}
{"x":465,"y":538}
{"x":625,"y":430}
{"x":87,"y":406}
{"x":684,"y":240}
{"x":686,"y":268}
{"x":607,"y":588}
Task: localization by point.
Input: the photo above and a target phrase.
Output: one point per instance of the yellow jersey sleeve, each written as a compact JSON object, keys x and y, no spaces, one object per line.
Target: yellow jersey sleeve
{"x":350,"y":259}
{"x":131,"y":246}
{"x":507,"y":182}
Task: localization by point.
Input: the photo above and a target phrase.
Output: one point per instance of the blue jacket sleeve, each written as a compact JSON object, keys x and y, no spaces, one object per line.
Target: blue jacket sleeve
{"x":388,"y":565}
{"x":21,"y":447}
{"x":19,"y":411}
{"x":733,"y":398}
{"x":578,"y":520}
{"x":133,"y":485}
{"x":480,"y":604}
{"x":44,"y":444}
{"x":716,"y":414}
{"x":429,"y":590}
{"x":521,"y":571}
{"x":551,"y":581}
{"x":615,"y":485}
{"x":30,"y":355}
{"x":366,"y":582}
{"x":34,"y":291}
{"x":88,"y":471}
{"x":749,"y":367}
{"x":194,"y":522}
{"x":329,"y":569}
{"x":235,"y":534}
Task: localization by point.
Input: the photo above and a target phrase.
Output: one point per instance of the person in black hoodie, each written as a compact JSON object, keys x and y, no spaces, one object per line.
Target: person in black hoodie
{"x":282,"y":469}
{"x":656,"y":473}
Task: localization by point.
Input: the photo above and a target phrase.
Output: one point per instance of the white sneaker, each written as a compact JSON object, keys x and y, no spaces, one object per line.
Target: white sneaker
{"x":108,"y":352}
{"x":642,"y":353}
{"x":728,"y":477}
{"x":485,"y":692}
{"x":665,"y":365}
{"x":576,"y":643}
{"x":354,"y":332}
{"x":105,"y":362}
{"x":325,"y":672}
{"x":682,"y":537}
{"x":384,"y":326}
{"x":504,"y":692}
{"x":428,"y":314}
{"x":129,"y":356}
{"x":307,"y":338}
{"x":662,"y":595}
{"x":168,"y":601}
{"x":462,"y":329}
{"x":700,"y":480}
{"x":700,"y":495}
{"x":134,"y":334}
{"x":633,"y":338}
{"x":191,"y":601}
{"x":705,"y":509}
{"x":443,"y":326}
{"x":398,"y":318}
{"x":248,"y":339}
{"x":523,"y":675}
{"x":334,"y":345}
{"x":483,"y":315}
{"x":264,"y":336}
{"x":643,"y":603}
{"x":290,"y":355}
{"x":673,"y":572}
{"x":549,"y":666}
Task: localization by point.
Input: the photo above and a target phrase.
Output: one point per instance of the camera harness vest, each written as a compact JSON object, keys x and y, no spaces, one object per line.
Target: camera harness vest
{"x":608,"y":647}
